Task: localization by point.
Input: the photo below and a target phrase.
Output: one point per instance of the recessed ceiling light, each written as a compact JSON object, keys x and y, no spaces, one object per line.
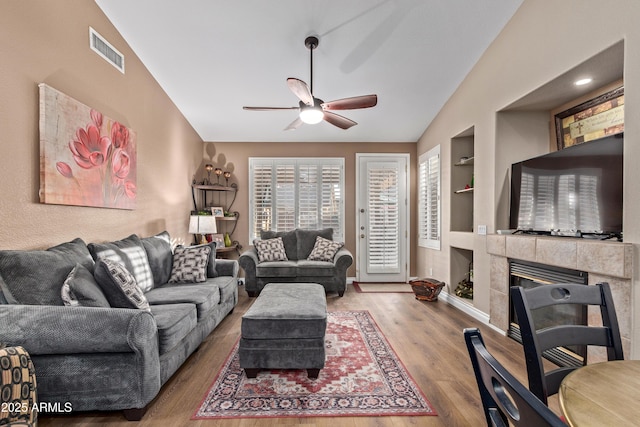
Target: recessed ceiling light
{"x":582,"y":82}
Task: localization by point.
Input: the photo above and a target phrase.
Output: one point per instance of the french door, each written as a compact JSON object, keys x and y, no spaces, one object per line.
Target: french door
{"x":382,"y":218}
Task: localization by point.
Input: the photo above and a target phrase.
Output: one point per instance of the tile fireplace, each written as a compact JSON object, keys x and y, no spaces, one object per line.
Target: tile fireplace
{"x":532,"y":275}
{"x":601,"y":261}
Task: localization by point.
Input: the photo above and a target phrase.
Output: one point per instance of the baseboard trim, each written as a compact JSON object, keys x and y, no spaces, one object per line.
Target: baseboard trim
{"x":461,"y":305}
{"x":467,"y":308}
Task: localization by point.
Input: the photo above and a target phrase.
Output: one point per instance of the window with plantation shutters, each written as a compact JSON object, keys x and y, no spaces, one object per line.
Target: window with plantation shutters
{"x":429,"y":199}
{"x":289,"y":193}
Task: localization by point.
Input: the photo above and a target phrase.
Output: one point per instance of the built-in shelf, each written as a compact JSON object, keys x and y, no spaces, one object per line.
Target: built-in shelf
{"x":460,"y":262}
{"x":468,"y":162}
{"x":462,"y":180}
{"x":464,"y":190}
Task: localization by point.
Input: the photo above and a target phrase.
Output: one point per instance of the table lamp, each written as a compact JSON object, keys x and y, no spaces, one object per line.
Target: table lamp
{"x":202,"y":224}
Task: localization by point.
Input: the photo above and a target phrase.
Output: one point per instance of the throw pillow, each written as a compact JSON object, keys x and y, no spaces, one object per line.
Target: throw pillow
{"x":158,"y":249}
{"x":190,"y":264}
{"x":130,"y":253}
{"x":119,"y":285}
{"x":211,"y":265}
{"x":81,"y":289}
{"x":324,"y":250}
{"x":289,"y":239}
{"x":307,"y":240}
{"x":5,"y":294}
{"x":270,"y":250}
{"x":35,"y":277}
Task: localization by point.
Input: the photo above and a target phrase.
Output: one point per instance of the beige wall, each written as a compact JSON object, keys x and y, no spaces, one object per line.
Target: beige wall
{"x":234,"y":157}
{"x":543,"y":40}
{"x":48,"y":41}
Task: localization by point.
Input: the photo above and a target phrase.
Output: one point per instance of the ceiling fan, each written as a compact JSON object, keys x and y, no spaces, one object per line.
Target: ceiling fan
{"x":313,"y":110}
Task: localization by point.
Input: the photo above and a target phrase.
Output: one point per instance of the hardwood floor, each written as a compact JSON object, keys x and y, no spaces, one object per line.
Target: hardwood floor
{"x":427,"y":336}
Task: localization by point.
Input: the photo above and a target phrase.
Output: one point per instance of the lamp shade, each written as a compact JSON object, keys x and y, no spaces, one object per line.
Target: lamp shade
{"x":202,"y":224}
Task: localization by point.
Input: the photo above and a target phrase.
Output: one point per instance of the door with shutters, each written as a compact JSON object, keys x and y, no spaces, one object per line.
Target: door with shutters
{"x":382,"y":218}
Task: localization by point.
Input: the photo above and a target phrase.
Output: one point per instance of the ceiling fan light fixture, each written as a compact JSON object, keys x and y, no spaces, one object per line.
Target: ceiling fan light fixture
{"x":311,"y":115}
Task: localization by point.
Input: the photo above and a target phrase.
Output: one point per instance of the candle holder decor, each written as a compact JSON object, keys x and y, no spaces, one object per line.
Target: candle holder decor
{"x":227,"y":175}
{"x":208,"y":167}
{"x":218,"y":172}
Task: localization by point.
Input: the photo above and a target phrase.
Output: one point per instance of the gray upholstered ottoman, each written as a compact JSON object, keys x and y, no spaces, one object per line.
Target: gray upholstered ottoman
{"x":284,"y":329}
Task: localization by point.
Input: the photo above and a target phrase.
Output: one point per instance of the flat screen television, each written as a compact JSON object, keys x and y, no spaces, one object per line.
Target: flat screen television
{"x":572,"y":192}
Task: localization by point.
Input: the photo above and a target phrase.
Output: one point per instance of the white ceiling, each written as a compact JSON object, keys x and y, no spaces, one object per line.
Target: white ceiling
{"x":212,"y":57}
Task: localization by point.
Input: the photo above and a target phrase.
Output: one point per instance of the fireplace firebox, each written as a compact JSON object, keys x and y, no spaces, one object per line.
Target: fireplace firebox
{"x":531,"y":275}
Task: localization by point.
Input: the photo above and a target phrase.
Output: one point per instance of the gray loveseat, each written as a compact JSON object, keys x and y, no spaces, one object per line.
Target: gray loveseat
{"x":101,"y":353}
{"x":298,"y":245}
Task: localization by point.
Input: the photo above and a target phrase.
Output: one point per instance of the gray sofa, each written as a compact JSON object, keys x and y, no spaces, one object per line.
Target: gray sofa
{"x":298,"y":245}
{"x":98,"y":353}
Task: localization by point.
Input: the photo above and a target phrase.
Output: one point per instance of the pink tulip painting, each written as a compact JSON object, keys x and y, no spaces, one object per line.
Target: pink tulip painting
{"x":86,"y":159}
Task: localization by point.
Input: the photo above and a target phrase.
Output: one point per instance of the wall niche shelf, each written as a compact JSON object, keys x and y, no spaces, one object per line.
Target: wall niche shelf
{"x":462,"y":162}
{"x":460,"y":262}
{"x":464,"y":190}
{"x":462,"y":177}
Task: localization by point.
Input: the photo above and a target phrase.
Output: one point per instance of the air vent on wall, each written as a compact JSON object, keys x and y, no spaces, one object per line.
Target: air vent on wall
{"x":103,"y":48}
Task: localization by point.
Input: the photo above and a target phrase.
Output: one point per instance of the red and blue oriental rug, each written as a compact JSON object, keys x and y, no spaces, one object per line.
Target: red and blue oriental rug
{"x":362,"y":377}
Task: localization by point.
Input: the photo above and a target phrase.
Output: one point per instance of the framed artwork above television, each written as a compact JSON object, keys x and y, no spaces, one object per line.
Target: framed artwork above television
{"x":599,"y":117}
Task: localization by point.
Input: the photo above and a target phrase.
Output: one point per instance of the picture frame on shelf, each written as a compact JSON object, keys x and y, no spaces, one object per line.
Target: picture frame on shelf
{"x":217,"y":211}
{"x":218,"y":239}
{"x":593,"y":119}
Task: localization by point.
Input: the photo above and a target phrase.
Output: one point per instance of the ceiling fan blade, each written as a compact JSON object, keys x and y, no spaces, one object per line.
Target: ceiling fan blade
{"x":337,"y":120}
{"x":269,"y":108}
{"x":294,"y":124}
{"x":300,"y":89}
{"x":365,"y":101}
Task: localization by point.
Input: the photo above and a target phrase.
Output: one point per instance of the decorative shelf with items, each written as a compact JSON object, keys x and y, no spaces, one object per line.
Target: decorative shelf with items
{"x":462,"y":181}
{"x":216,"y":200}
{"x":461,"y":274}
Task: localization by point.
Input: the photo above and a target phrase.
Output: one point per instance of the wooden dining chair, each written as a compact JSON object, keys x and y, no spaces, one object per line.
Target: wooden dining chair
{"x":535,"y":341}
{"x":505,"y":400}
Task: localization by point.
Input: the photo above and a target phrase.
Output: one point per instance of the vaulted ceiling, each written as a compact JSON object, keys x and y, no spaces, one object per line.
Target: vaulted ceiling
{"x":212,"y":57}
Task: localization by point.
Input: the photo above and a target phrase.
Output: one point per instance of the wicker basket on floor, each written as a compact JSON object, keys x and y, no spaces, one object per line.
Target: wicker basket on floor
{"x":426,"y":289}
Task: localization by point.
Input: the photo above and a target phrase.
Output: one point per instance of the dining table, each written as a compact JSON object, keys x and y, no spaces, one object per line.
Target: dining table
{"x":602,"y":394}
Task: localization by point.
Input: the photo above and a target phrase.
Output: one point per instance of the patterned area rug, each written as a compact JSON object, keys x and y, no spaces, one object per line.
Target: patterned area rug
{"x":361,"y":287}
{"x":362,"y":377}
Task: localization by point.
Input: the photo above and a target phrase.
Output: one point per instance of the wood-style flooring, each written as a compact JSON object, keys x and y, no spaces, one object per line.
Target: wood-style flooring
{"x":427,"y":336}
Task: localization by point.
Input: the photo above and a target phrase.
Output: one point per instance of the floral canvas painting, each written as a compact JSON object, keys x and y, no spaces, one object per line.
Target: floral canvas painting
{"x":86,"y":158}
